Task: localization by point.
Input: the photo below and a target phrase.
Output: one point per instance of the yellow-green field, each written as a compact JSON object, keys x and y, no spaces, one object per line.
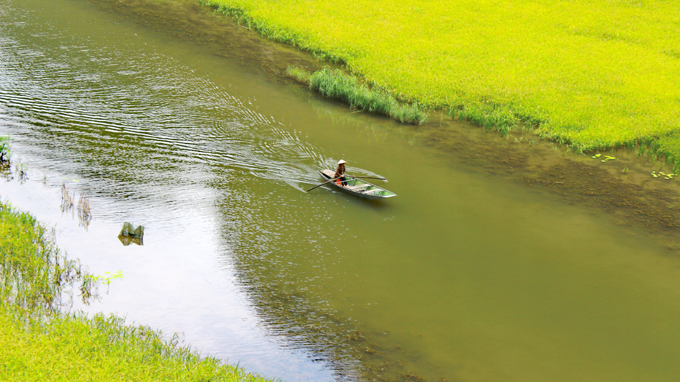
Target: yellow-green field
{"x":593,"y":74}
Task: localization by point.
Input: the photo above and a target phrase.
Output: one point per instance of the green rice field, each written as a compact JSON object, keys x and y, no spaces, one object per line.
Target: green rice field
{"x":591,"y":74}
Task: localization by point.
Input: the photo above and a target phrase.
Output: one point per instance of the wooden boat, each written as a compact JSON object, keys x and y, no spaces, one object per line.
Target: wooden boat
{"x":358,"y":187}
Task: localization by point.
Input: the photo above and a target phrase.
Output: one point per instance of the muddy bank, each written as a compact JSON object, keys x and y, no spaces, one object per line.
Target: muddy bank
{"x":189,"y":21}
{"x":623,"y":188}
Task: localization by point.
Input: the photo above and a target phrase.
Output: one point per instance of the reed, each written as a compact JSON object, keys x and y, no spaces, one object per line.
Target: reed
{"x":21,"y":170}
{"x":335,"y":84}
{"x":578,"y":78}
{"x":33,"y":273}
{"x":84,"y":212}
{"x":4,"y":150}
{"x":66,"y":198}
{"x":298,"y":74}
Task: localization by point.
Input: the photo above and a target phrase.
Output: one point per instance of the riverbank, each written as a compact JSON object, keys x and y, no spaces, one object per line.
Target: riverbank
{"x":577,"y":78}
{"x":41,"y":342}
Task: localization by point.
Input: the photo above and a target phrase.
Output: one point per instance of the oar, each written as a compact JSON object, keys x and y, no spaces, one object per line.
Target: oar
{"x":323,"y":183}
{"x":368,"y":177}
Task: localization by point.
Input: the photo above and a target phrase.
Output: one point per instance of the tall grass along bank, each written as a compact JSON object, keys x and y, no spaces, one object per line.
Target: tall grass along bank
{"x":592,"y":74}
{"x":39,"y":342}
{"x":337,"y":85}
{"x":33,"y":273}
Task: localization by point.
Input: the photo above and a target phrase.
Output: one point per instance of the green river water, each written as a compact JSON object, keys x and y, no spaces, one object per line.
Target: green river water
{"x":464,"y":276}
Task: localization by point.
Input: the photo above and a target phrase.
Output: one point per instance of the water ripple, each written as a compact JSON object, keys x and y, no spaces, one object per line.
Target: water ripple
{"x":145,"y":112}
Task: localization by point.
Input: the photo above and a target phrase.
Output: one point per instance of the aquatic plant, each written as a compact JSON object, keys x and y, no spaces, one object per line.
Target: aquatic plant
{"x":662,"y":174}
{"x":22,"y":171}
{"x":66,"y":198}
{"x":300,"y":75}
{"x":607,"y":158}
{"x":335,"y":84}
{"x":4,"y":150}
{"x":576,"y":77}
{"x":107,"y":278}
{"x":84,"y":212}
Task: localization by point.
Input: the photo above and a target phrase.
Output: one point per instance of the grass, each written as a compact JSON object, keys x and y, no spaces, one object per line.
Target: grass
{"x":33,"y":273}
{"x":103,"y":348}
{"x":346,"y":88}
{"x":41,"y":343}
{"x":591,"y":74}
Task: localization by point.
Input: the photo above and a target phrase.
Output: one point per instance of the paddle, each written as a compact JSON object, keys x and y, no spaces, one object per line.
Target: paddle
{"x":368,"y":177}
{"x":328,"y":181}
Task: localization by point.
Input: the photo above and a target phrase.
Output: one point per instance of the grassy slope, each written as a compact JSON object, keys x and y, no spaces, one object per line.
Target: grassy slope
{"x":37,"y":343}
{"x":593,"y":74}
{"x":99,"y":349}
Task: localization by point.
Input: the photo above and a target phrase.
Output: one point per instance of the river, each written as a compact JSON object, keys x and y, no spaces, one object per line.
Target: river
{"x":464,"y":276}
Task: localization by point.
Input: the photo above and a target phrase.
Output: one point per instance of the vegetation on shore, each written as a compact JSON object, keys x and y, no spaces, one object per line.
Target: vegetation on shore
{"x":337,"y":85}
{"x":41,"y":343}
{"x":594,"y":75}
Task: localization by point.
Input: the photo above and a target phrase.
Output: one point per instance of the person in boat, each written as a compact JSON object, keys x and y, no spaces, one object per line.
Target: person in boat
{"x":340,"y":178}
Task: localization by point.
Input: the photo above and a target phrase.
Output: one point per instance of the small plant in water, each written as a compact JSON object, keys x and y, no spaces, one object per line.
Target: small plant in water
{"x":66,"y":198}
{"x":84,"y":213}
{"x":606,"y":157}
{"x":4,"y":151}
{"x":22,"y":171}
{"x":106,"y":279}
{"x":663,"y":174}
